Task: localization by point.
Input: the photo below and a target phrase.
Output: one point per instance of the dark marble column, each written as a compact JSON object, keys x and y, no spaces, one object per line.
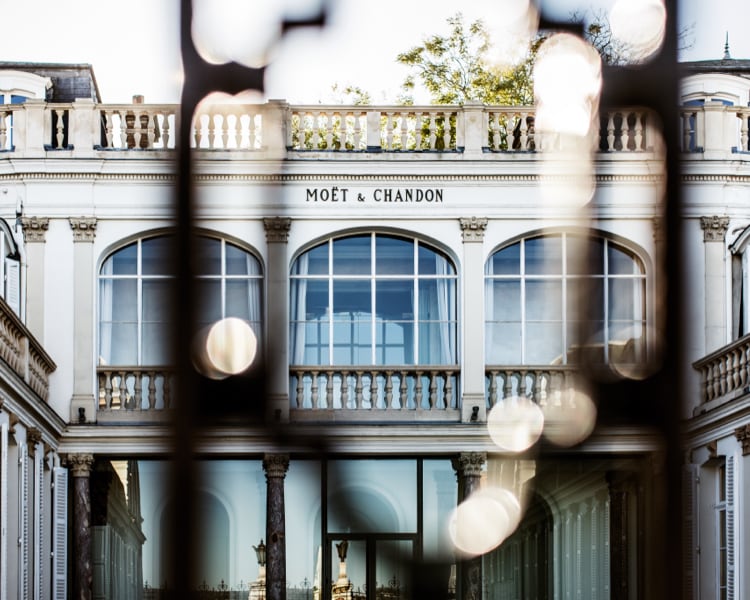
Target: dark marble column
{"x":468,"y":466}
{"x":80,"y":467}
{"x":618,"y":536}
{"x":275,"y":466}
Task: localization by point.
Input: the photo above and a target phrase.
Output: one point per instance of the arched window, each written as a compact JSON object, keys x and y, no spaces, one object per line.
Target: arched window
{"x":10,"y":268}
{"x":564,"y":299}
{"x":373,"y":299}
{"x":134,"y":296}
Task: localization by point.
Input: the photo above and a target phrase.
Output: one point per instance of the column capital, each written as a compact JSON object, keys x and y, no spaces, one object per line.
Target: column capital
{"x":33,"y":437}
{"x":84,"y":228}
{"x":714,"y":228}
{"x":80,"y":464}
{"x":472,"y":228}
{"x":469,"y":464}
{"x":277,"y":228}
{"x":275,"y":465}
{"x":34,"y":229}
{"x":743,"y":437}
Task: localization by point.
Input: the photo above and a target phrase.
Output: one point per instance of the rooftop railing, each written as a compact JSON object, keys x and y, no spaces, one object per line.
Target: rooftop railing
{"x":277,"y":129}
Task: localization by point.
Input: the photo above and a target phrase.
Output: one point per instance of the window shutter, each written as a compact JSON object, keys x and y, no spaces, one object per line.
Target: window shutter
{"x":25,"y":567}
{"x":690,"y":533}
{"x":38,"y":522}
{"x":60,"y":534}
{"x":730,"y":525}
{"x":13,"y":284}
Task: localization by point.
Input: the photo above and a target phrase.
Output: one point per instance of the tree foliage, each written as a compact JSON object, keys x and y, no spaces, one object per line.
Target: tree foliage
{"x":455,"y":68}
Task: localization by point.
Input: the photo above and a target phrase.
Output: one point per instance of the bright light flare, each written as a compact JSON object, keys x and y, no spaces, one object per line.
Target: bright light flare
{"x":484,"y":520}
{"x":228,"y":347}
{"x":569,"y":419}
{"x":640,"y":25}
{"x":512,"y":32}
{"x":515,"y":424}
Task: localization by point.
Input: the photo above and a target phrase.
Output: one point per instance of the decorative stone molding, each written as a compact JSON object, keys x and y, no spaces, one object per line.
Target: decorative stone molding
{"x":743,"y":437}
{"x":277,"y":228}
{"x":659,"y":229}
{"x":469,"y":464}
{"x":84,"y":228}
{"x":714,"y":228}
{"x":275,"y":465}
{"x":472,"y":229}
{"x":80,"y":464}
{"x":34,"y":229}
{"x":33,"y":437}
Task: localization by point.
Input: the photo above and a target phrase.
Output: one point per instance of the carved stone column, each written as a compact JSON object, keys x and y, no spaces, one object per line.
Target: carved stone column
{"x":80,"y":466}
{"x":277,"y":354}
{"x":473,"y":405}
{"x":82,"y":406}
{"x":275,"y":466}
{"x":468,"y":466}
{"x":34,"y":235}
{"x":714,"y":234}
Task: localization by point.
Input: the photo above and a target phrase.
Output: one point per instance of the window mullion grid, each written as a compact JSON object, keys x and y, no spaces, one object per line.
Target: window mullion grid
{"x":223,"y":280}
{"x":522,"y":271}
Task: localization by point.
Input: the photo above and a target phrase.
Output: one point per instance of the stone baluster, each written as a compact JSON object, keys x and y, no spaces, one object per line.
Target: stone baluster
{"x":152,"y":389}
{"x":344,"y":389}
{"x":448,"y":390}
{"x":300,"y":389}
{"x":329,"y":389}
{"x":388,"y":389}
{"x":433,"y":130}
{"x":314,"y":390}
{"x":373,"y":390}
{"x":275,"y":467}
{"x":137,"y":392}
{"x":107,"y":390}
{"x":358,"y":390}
{"x":403,"y":399}
{"x":4,"y":129}
{"x":357,"y":131}
{"x":418,"y":389}
{"x":638,"y":131}
{"x":493,"y":388}
{"x":433,"y":389}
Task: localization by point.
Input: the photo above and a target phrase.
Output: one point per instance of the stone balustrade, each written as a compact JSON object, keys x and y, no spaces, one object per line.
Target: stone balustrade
{"x":538,"y":383}
{"x":134,"y":393}
{"x":473,"y":131}
{"x":382,"y":391}
{"x":725,"y":374}
{"x":23,"y":353}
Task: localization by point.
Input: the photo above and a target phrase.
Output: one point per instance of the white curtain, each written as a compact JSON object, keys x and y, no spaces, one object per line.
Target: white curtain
{"x":446,"y":312}
{"x":298,"y":311}
{"x":106,"y":300}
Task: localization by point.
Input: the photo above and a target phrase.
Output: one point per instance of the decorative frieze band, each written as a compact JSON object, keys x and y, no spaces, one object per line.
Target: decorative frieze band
{"x":275,"y":465}
{"x":34,"y":229}
{"x":80,"y":464}
{"x":714,"y":228}
{"x":277,"y":228}
{"x":472,"y":229}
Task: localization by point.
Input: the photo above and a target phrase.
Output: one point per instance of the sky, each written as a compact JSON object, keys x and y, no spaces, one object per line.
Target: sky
{"x":133,"y":45}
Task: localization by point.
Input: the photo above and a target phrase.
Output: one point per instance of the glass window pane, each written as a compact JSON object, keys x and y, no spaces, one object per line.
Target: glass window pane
{"x":208,"y":256}
{"x":309,"y":299}
{"x":312,"y":262}
{"x":240,"y":262}
{"x":625,"y":299}
{"x":118,"y":343}
{"x":543,"y":343}
{"x":505,"y":301}
{"x":620,"y":262}
{"x":393,"y":256}
{"x":352,"y":343}
{"x":156,"y":306}
{"x":315,"y":350}
{"x":155,"y":255}
{"x":438,"y":500}
{"x":352,"y":298}
{"x":351,"y":256}
{"x":503,"y":343}
{"x":302,"y":525}
{"x":209,"y":300}
{"x":392,"y":570}
{"x":543,"y":255}
{"x":372,"y":496}
{"x":118,"y":300}
{"x":437,"y":343}
{"x":394,"y":343}
{"x":437,"y":300}
{"x":584,"y":255}
{"x":543,"y":300}
{"x":506,"y":261}
{"x":155,"y":343}
{"x":239,"y":302}
{"x":122,"y":262}
{"x":432,"y":262}
{"x":394,"y":300}
{"x":625,"y":341}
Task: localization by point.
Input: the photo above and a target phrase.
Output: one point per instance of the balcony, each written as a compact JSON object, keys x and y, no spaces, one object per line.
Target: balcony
{"x":278,"y":130}
{"x":23,"y":354}
{"x":725,"y":375}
